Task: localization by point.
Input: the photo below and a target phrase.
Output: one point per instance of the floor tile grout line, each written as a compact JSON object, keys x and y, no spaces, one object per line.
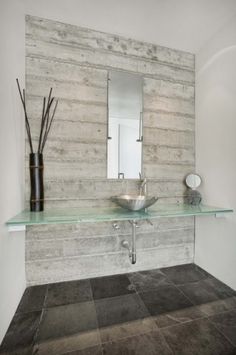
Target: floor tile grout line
{"x":193,"y":304}
{"x":67,"y":304}
{"x":97,"y":323}
{"x":45,"y":297}
{"x":37,"y":331}
{"x":221,"y":332}
{"x":130,"y":336}
{"x":139,"y":334}
{"x":41,"y":317}
{"x":75,"y":350}
{"x":184,"y":322}
{"x":70,"y":303}
{"x":117,"y":296}
{"x":169,"y":347}
{"x":217,"y":313}
{"x":189,"y":282}
{"x":98,"y":327}
{"x":143,"y":304}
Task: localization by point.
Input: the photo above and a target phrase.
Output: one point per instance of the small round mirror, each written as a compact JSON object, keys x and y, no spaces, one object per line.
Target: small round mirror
{"x":193,"y":181}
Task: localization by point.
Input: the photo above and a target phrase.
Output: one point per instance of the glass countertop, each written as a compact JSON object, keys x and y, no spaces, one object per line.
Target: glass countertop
{"x":92,"y":214}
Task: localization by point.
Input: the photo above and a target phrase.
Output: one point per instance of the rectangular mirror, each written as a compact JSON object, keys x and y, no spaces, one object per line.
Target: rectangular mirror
{"x":125,"y":125}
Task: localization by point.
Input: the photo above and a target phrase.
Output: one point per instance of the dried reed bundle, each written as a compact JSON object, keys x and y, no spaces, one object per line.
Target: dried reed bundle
{"x":48,"y":113}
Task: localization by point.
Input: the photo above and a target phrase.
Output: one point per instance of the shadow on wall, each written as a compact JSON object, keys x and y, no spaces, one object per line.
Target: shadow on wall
{"x":213,"y":59}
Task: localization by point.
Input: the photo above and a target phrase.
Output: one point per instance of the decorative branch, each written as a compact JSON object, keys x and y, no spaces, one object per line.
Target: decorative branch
{"x":22,"y":96}
{"x":42,"y":118}
{"x":49,"y":126}
{"x":46,"y":118}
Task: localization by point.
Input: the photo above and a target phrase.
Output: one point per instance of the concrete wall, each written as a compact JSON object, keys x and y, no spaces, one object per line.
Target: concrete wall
{"x":215,"y":152}
{"x":75,"y":61}
{"x":12,"y":245}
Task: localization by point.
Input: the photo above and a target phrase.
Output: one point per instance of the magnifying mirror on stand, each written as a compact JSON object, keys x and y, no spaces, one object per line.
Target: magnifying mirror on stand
{"x":193,"y":197}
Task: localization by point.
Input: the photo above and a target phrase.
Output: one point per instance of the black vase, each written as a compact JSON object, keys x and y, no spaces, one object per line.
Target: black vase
{"x":36,"y":182}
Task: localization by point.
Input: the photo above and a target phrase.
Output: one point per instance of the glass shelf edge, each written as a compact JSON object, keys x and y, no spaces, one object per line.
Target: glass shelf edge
{"x":151,"y":214}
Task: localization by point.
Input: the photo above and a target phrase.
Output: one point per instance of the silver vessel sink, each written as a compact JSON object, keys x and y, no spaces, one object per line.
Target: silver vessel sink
{"x":134,"y":202}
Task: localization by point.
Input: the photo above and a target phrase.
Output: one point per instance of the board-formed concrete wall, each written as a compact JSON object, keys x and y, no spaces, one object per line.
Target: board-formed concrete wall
{"x":75,"y":62}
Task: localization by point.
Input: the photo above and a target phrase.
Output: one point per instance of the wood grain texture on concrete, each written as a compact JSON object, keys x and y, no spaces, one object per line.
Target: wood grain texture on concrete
{"x":75,"y":62}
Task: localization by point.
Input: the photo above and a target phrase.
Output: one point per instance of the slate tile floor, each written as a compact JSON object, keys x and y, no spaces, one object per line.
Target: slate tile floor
{"x":178,"y":310}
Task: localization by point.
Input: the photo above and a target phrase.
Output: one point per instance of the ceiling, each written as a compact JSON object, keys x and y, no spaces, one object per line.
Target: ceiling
{"x":180,"y":24}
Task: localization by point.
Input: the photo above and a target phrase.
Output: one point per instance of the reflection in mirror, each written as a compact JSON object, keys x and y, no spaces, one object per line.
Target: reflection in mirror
{"x":124,"y":144}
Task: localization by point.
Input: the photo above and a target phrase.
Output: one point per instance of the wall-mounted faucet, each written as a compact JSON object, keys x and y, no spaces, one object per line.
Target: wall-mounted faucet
{"x":143,"y":186}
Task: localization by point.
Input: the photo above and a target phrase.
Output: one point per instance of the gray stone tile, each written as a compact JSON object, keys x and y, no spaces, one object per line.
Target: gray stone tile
{"x":63,"y":293}
{"x":32,"y":299}
{"x":62,"y":321}
{"x":199,"y":337}
{"x":95,"y":350}
{"x":183,"y":274}
{"x":178,"y":317}
{"x":226,"y":323}
{"x":164,"y":299}
{"x":21,"y":332}
{"x":117,"y":310}
{"x":218,"y":306}
{"x":147,"y":280}
{"x":20,"y":351}
{"x":111,"y":286}
{"x":151,"y":343}
{"x":207,"y":290}
{"x":223,"y":291}
{"x":71,"y":343}
{"x":126,"y":329}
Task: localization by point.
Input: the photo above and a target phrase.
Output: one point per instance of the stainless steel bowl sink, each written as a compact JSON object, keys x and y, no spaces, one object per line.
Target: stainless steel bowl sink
{"x":134,"y":202}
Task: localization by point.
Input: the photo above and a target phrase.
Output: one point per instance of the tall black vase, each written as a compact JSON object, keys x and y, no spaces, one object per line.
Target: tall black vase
{"x":36,"y":182}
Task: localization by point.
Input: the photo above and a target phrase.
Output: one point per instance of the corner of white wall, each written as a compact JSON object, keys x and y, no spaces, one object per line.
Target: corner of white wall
{"x":12,"y":245}
{"x":215,"y":248}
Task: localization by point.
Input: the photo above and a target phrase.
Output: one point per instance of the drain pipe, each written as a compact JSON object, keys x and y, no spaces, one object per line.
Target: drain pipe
{"x":125,"y":243}
{"x":133,"y":250}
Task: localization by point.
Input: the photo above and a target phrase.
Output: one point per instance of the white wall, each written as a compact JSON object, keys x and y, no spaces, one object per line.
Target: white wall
{"x":12,"y":268}
{"x":216,"y":152}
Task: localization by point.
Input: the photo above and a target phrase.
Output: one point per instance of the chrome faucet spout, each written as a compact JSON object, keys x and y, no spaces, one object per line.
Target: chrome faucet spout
{"x":143,"y":187}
